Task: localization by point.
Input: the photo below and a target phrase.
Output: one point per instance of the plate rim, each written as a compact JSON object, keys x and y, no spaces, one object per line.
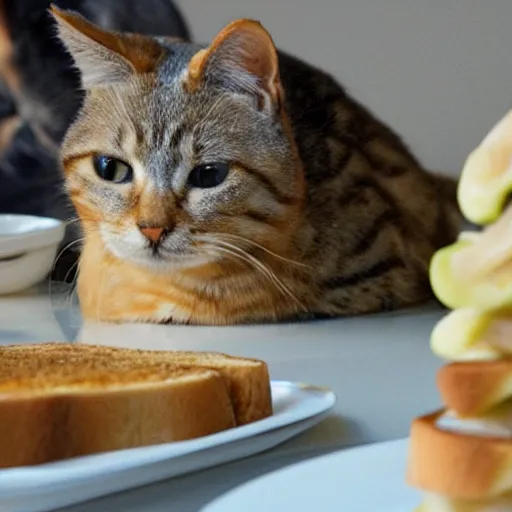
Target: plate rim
{"x":28,"y":476}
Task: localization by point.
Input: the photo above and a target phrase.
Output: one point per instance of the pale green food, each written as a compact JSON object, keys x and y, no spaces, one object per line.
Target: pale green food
{"x":464,"y":335}
{"x":485,"y":185}
{"x":487,"y":291}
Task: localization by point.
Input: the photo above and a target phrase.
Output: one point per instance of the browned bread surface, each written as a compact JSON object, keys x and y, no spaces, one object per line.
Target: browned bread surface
{"x":471,"y":388}
{"x":62,"y":400}
{"x":247,"y":380}
{"x":457,"y":465}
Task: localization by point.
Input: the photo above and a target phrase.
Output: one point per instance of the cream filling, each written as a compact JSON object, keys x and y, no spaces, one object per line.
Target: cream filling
{"x":481,"y":352}
{"x":470,"y":335}
{"x":490,"y":250}
{"x":469,"y":236}
{"x":496,"y":423}
{"x":438,"y":503}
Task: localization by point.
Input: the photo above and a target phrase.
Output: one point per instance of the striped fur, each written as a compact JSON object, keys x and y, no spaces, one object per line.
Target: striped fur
{"x":325,"y":212}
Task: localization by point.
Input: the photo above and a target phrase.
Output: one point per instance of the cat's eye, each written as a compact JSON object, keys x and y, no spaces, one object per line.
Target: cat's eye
{"x":208,"y":175}
{"x":112,"y":169}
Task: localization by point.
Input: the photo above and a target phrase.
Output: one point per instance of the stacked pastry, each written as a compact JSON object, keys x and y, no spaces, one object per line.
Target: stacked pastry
{"x":461,"y":457}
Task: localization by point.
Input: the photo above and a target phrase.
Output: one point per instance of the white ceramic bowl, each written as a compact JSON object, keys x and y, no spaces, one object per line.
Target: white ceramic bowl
{"x":28,"y":246}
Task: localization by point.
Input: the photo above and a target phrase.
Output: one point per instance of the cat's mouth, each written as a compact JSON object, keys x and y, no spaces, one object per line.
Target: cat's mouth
{"x":155,"y":249}
{"x":160,"y":251}
{"x":173,"y":252}
{"x":162,"y":258}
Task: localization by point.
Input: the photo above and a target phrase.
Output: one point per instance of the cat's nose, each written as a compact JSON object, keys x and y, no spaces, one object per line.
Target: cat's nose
{"x":153,"y":234}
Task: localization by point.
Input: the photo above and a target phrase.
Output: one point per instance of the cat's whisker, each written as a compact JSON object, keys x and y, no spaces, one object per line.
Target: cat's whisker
{"x":243,"y":258}
{"x":63,"y":250}
{"x":264,"y":269}
{"x":73,"y":284}
{"x":254,"y":262}
{"x":258,"y":265}
{"x":75,"y":278}
{"x":68,"y":273}
{"x":268,"y":251}
{"x":73,"y":291}
{"x":268,"y":274}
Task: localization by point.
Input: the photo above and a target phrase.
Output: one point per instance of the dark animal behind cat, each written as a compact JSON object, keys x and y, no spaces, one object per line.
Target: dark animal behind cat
{"x":40,"y":73}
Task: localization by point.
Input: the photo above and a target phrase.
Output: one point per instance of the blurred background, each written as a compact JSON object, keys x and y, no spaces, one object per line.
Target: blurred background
{"x":438,"y":71}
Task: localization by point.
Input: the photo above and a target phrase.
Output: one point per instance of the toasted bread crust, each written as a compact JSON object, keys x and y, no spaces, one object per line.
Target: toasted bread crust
{"x":471,"y":388}
{"x":62,"y":424}
{"x":457,"y":465}
{"x":61,"y":400}
{"x":247,"y":380}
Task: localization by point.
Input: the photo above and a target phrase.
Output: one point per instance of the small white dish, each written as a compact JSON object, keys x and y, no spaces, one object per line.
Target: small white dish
{"x":47,"y":487}
{"x":367,"y":479}
{"x":28,"y":246}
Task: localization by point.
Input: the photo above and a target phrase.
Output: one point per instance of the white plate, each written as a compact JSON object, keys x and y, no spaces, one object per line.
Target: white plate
{"x":23,"y":233}
{"x":368,"y":479}
{"x":297,"y":407}
{"x":28,"y":246}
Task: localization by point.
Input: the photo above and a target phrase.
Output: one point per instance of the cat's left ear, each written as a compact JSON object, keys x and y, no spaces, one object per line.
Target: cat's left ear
{"x":103,"y":57}
{"x":242,"y":58}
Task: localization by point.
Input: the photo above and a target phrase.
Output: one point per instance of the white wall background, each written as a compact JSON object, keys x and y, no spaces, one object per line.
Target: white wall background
{"x":438,"y":71}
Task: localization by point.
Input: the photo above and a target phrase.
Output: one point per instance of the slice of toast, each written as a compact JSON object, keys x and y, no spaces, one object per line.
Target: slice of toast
{"x":247,"y":380}
{"x":63,"y":400}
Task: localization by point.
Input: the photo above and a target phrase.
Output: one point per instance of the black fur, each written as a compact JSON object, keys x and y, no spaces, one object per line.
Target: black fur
{"x":49,"y":96}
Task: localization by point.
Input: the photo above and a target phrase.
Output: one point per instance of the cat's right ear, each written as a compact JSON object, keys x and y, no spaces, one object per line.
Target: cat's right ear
{"x":103,"y":57}
{"x":242,"y":58}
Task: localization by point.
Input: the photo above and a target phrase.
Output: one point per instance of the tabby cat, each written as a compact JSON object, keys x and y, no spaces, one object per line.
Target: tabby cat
{"x":233,"y":184}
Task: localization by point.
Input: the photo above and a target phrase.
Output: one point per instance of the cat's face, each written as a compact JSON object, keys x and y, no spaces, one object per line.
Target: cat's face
{"x":186,"y":164}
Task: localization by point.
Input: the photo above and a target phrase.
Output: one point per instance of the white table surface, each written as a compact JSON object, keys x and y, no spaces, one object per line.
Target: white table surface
{"x":380,"y":367}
